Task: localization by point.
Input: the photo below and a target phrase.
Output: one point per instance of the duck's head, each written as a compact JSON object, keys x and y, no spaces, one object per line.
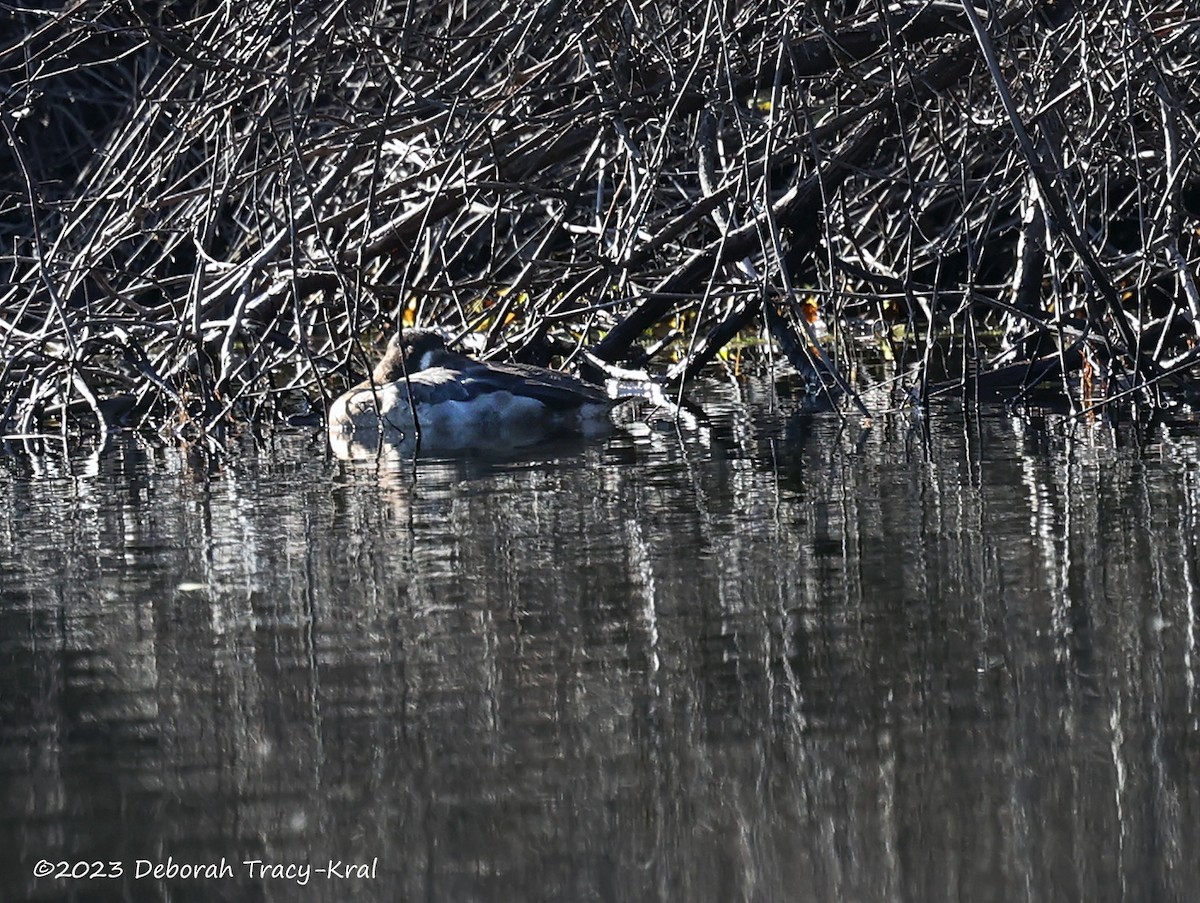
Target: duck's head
{"x":408,"y":351}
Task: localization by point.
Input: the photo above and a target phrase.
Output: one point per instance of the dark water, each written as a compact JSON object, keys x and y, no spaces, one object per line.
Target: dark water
{"x":770,"y":658}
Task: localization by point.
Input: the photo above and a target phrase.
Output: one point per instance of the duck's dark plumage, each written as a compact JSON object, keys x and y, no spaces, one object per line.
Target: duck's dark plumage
{"x":424,"y":351}
{"x":460,"y":403}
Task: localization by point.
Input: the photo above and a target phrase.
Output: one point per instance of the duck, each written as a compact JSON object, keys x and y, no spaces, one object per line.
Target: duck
{"x":424,"y":397}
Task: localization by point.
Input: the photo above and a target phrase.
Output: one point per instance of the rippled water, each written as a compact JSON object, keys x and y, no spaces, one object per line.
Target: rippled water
{"x":763,"y":657}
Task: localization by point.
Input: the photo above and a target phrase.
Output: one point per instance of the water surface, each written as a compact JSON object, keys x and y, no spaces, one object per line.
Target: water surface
{"x":767,"y":656}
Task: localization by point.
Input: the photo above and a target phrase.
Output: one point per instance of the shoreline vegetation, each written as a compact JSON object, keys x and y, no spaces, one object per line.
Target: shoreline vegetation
{"x":213,"y":213}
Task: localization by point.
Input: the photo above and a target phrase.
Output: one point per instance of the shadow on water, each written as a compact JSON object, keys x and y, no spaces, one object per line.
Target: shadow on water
{"x":774,"y":657}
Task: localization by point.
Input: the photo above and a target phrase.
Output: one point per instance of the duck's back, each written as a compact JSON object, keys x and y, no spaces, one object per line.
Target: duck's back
{"x":557,"y":391}
{"x":503,"y":406}
{"x":461,"y":404}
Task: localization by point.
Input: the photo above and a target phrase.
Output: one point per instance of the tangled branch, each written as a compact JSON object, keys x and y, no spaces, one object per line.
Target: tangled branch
{"x":211,"y":211}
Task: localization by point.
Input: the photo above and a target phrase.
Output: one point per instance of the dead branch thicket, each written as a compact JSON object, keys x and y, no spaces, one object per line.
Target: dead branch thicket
{"x":210,"y":211}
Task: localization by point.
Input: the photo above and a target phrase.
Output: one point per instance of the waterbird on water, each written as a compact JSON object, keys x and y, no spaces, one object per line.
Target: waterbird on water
{"x":460,"y":404}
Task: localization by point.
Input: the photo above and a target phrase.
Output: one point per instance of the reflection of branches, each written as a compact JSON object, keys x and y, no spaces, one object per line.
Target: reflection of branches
{"x":209,"y":205}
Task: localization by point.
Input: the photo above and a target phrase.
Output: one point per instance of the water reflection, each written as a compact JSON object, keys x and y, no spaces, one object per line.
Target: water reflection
{"x":773,"y":657}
